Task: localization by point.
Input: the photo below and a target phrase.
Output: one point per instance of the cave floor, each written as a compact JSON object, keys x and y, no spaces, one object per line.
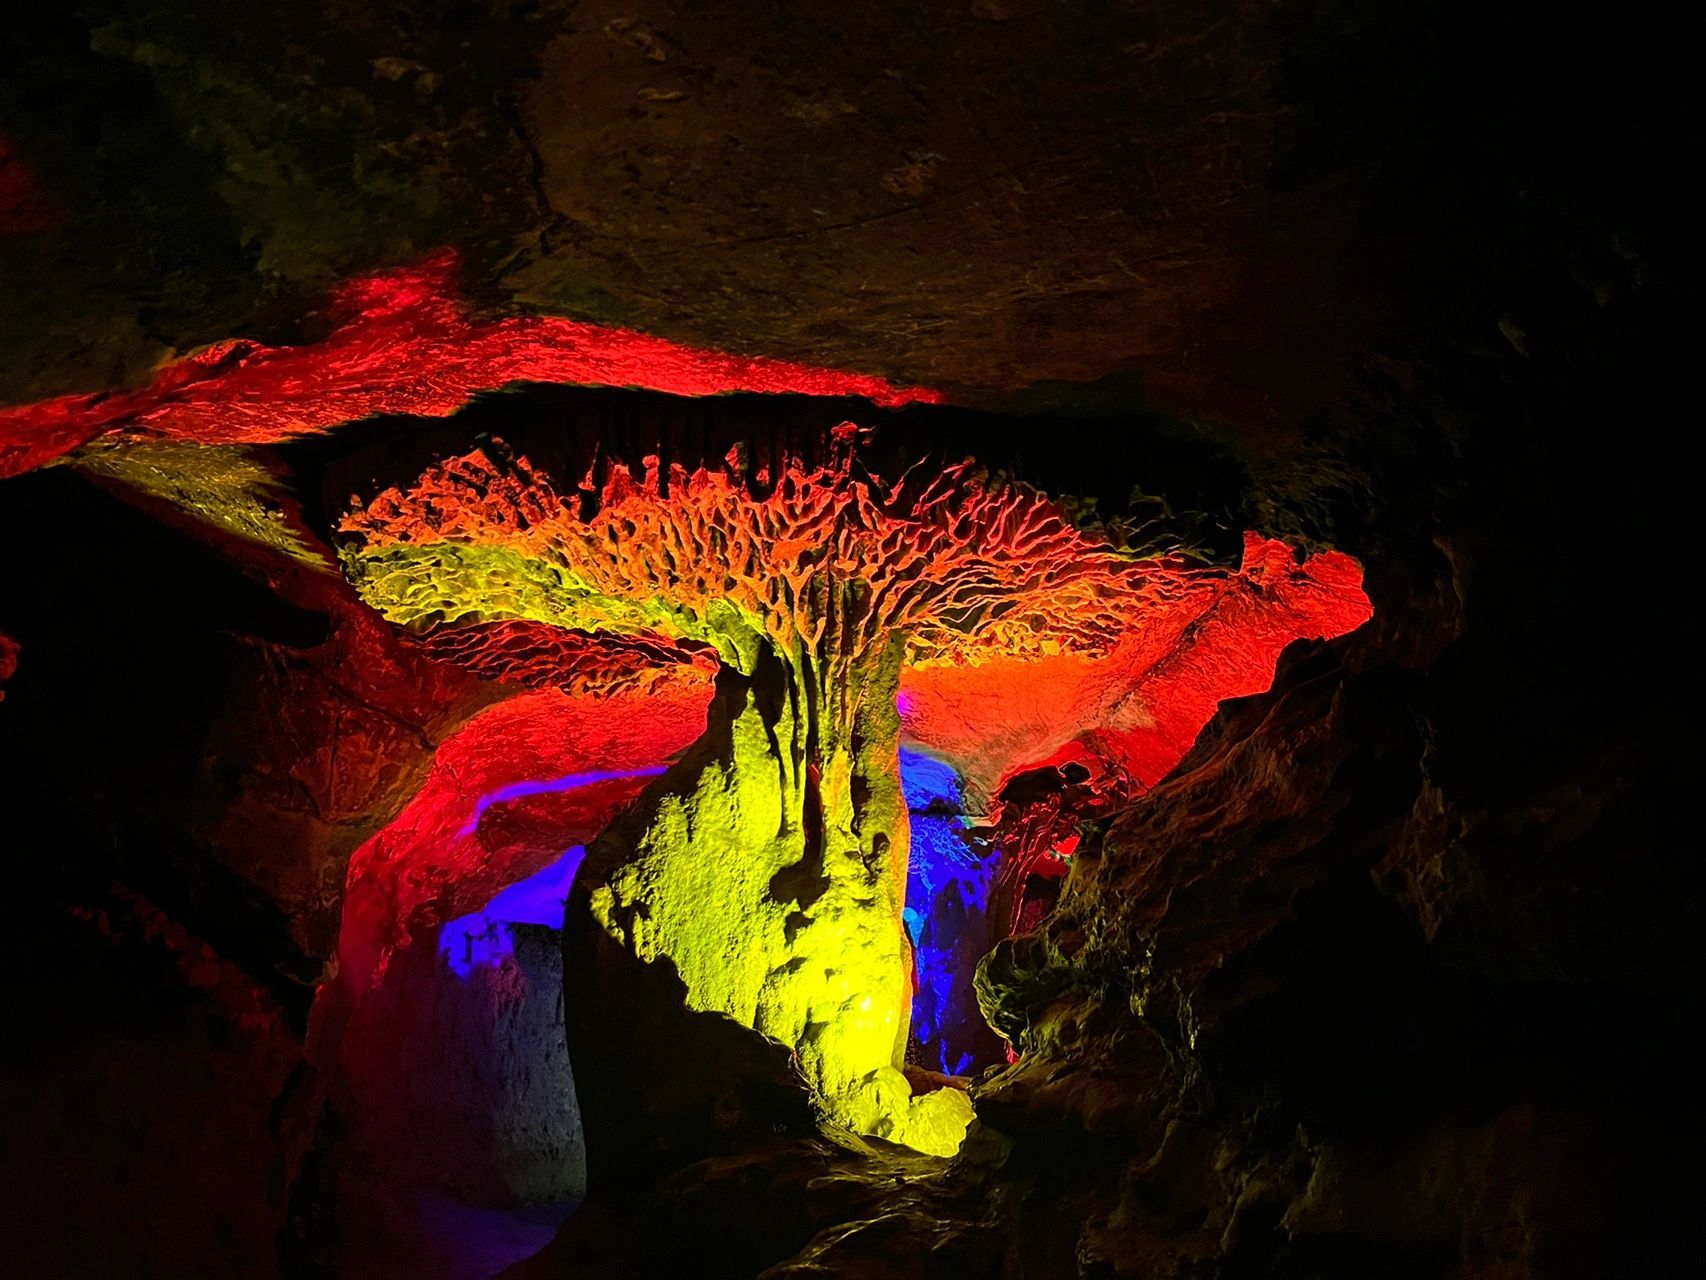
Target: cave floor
{"x":431,"y":1235}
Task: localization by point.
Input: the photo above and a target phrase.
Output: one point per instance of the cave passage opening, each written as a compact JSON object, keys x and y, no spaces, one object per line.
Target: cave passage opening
{"x":501,"y":1096}
{"x":466,"y":1144}
{"x":495,"y":1085}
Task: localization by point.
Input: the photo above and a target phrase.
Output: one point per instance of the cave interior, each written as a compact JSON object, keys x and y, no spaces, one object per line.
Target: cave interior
{"x":987,"y":642}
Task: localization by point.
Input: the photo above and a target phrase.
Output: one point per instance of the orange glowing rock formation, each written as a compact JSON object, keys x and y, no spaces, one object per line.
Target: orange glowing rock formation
{"x":768,"y":865}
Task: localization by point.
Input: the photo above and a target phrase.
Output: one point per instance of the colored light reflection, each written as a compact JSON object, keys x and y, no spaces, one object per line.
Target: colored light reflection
{"x":948,"y":887}
{"x":568,"y":782}
{"x":484,"y":938}
{"x":402,"y":342}
{"x":947,"y":903}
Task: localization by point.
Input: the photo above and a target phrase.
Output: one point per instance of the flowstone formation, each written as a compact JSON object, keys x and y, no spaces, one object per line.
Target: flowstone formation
{"x":768,"y":865}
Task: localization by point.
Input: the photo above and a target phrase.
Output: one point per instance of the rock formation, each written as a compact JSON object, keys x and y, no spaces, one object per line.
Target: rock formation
{"x":1313,"y":895}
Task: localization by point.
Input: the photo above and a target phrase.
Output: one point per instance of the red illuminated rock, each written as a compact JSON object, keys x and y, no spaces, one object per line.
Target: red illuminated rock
{"x":398,"y":343}
{"x":9,"y":649}
{"x":815,"y":586}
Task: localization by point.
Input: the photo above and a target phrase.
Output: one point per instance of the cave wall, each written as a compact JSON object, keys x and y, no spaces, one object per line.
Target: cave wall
{"x":462,"y":1082}
{"x":1391,"y":977}
{"x":191,"y":758}
{"x":153,"y":1097}
{"x":1388,"y":976}
{"x":803,"y":184}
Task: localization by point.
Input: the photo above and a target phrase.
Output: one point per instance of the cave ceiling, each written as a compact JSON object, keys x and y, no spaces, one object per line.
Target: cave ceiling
{"x":1001,"y":201}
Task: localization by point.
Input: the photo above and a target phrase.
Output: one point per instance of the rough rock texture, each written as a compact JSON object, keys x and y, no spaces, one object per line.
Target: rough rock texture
{"x":8,"y":661}
{"x":1393,"y":978}
{"x":768,"y":866}
{"x":155,"y":736}
{"x":1336,"y":997}
{"x":1389,"y":978}
{"x":463,"y":1082}
{"x":132,"y":1038}
{"x":401,"y":342}
{"x":465,"y":834}
{"x":985,"y":195}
